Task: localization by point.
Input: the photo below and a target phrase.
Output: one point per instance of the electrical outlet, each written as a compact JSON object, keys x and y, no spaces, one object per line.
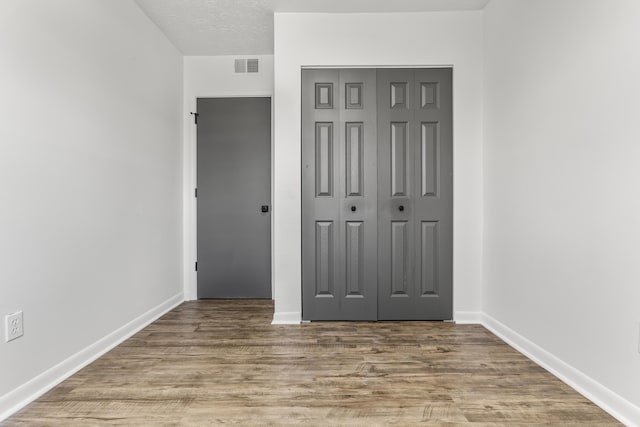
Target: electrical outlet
{"x":13,"y":326}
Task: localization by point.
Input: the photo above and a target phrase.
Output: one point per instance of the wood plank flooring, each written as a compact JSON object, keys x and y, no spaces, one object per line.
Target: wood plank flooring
{"x":221,"y":362}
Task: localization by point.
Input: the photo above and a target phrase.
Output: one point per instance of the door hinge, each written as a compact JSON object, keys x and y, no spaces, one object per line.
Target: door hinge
{"x":195,"y":117}
{"x":196,"y":192}
{"x":196,"y":266}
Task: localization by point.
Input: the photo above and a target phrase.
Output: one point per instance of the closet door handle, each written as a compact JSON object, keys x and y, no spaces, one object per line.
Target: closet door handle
{"x":401,"y":208}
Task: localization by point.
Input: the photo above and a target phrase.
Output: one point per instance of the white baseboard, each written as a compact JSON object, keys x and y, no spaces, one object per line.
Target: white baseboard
{"x":467,"y":317}
{"x":16,"y":399}
{"x":620,"y":408}
{"x":287,"y":318}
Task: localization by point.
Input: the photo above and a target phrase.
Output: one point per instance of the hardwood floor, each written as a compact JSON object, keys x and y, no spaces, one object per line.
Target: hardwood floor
{"x":221,"y":362}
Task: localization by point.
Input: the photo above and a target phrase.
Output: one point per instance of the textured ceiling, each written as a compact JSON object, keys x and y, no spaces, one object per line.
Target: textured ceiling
{"x":214,"y":27}
{"x":243,"y":27}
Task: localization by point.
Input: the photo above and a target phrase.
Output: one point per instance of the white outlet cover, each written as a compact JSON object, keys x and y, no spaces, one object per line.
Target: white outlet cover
{"x":13,"y":326}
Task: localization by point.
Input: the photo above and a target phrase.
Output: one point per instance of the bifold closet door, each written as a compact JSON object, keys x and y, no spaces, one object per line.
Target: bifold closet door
{"x":415,"y":194}
{"x":339,"y":195}
{"x":377,"y":194}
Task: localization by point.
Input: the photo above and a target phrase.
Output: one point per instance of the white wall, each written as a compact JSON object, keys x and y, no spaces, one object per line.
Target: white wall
{"x":377,"y":40}
{"x":211,"y":77}
{"x":562,"y":178}
{"x":90,"y":176}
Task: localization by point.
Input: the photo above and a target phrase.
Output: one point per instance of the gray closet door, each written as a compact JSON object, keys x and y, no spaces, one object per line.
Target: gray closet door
{"x":415,"y":194}
{"x":339,"y":195}
{"x":377,"y":194}
{"x":234,"y":182}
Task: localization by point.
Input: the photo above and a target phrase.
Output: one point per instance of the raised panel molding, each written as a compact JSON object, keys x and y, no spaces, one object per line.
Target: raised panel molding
{"x":429,"y":258}
{"x":324,"y":96}
{"x":324,"y":159}
{"x":429,"y":95}
{"x":399,"y":169}
{"x":399,"y":259}
{"x":324,"y":259}
{"x":429,"y":158}
{"x":399,"y":95}
{"x":353,"y":95}
{"x":354,"y":162}
{"x":354,"y":261}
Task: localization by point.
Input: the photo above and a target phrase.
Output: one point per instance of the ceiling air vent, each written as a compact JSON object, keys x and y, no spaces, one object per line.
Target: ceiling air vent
{"x":246,"y":65}
{"x":241,"y":65}
{"x":252,"y":65}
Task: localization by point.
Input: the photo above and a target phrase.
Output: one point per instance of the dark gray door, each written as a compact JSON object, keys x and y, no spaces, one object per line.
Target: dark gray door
{"x":339,"y":193}
{"x":377,"y":194}
{"x":415,"y":194}
{"x":234,"y":183}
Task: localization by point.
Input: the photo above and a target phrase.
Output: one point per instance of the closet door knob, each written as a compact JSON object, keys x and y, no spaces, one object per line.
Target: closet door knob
{"x":401,"y":208}
{"x":353,"y":208}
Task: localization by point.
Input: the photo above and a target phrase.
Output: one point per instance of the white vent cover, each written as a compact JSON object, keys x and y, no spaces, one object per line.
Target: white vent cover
{"x":247,"y":65}
{"x":241,"y":65}
{"x":252,"y":65}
